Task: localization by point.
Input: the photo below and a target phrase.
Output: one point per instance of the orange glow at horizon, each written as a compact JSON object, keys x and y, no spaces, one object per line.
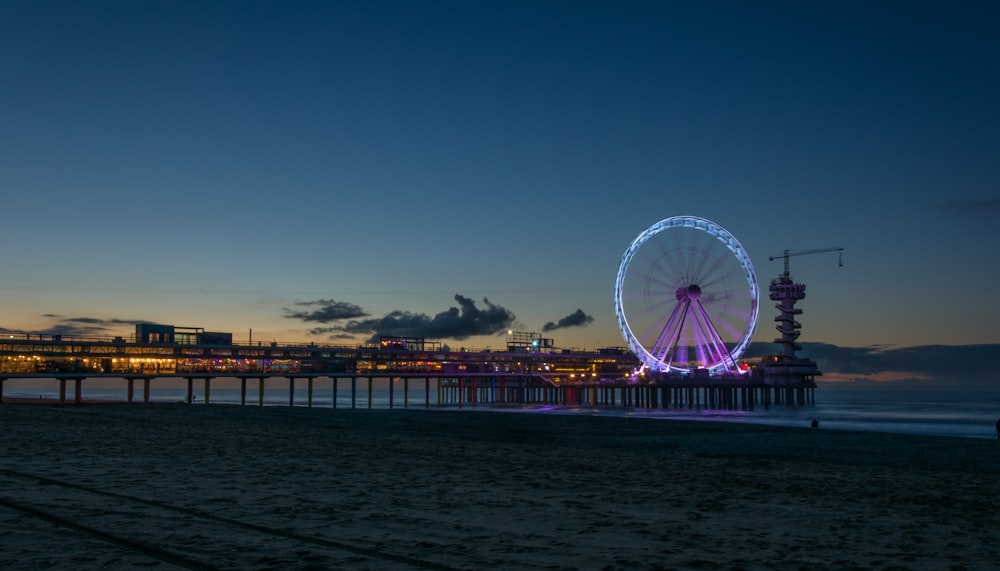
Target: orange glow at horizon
{"x":882,"y":377}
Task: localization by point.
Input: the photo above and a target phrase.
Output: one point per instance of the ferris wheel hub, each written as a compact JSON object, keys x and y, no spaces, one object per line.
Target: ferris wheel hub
{"x":694,"y":292}
{"x":689,"y":293}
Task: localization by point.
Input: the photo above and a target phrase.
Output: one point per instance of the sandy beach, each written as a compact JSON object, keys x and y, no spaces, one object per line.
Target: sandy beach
{"x":228,"y":487}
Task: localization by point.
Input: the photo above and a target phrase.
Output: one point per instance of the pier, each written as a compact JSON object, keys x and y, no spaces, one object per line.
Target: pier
{"x":410,"y":390}
{"x":405,"y":372}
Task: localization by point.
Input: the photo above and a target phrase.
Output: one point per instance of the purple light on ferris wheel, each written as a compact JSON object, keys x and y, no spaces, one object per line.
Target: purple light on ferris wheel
{"x":686,"y":296}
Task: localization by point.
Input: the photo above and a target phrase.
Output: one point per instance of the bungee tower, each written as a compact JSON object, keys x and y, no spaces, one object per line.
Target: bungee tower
{"x":785,"y":368}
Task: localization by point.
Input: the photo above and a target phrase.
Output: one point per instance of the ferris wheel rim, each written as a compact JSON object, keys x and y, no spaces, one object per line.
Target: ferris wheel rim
{"x":735,"y":248}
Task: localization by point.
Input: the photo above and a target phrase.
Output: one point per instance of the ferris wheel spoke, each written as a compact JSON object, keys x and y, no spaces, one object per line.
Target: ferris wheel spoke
{"x":703,"y":337}
{"x":724,"y":318}
{"x":668,"y":350}
{"x":698,"y":257}
{"x":658,"y":296}
{"x":726,"y":326}
{"x":692,"y":264}
{"x":729,"y":275}
{"x":694,"y":249}
{"x":672,"y":247}
{"x":699,"y":266}
{"x":651,"y":326}
{"x":654,"y":279}
{"x":721,"y":298}
{"x":702,"y":268}
{"x":670,"y":263}
{"x":683,"y":253}
{"x":650,"y":294}
{"x":670,"y":331}
{"x":663,"y":265}
{"x":706,"y":276}
{"x":676,"y":350}
{"x":735,"y":314}
{"x":718,"y":311}
{"x":654,"y":330}
{"x":725,"y":354}
{"x":734,"y":321}
{"x":720,"y":355}
{"x":653,"y":296}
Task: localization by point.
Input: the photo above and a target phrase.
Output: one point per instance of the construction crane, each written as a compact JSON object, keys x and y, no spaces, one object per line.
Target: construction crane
{"x":787,"y":254}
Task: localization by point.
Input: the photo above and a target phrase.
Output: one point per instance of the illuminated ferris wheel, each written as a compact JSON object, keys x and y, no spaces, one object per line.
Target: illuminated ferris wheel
{"x":686,"y":296}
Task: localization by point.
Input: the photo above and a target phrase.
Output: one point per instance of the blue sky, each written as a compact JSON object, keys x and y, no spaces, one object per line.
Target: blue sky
{"x":249,"y":165}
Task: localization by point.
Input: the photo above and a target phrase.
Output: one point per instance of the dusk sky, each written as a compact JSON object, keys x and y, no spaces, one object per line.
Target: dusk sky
{"x":320,"y":170}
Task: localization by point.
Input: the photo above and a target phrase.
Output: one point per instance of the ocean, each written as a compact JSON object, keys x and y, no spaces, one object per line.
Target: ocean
{"x":968,"y":414}
{"x":971,"y":414}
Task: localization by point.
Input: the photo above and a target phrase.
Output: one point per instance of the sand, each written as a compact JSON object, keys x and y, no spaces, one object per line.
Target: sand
{"x":228,"y":487}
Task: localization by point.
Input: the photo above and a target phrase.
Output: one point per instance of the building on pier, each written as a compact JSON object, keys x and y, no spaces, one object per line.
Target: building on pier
{"x":784,"y":368}
{"x":521,"y":341}
{"x":166,"y":349}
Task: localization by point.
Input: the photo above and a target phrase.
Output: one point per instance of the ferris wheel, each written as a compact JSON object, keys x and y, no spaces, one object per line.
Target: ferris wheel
{"x":686,"y":296}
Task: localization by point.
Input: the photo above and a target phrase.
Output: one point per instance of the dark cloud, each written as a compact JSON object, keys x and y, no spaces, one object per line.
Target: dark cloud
{"x":852,"y":360}
{"x":98,"y":321}
{"x":982,"y":212}
{"x":576,"y":319}
{"x":84,"y":320}
{"x":330,"y":333}
{"x":329,"y":310}
{"x":83,"y":326}
{"x":457,"y":323}
{"x":967,"y":367}
{"x":93,"y":320}
{"x":70,"y":329}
